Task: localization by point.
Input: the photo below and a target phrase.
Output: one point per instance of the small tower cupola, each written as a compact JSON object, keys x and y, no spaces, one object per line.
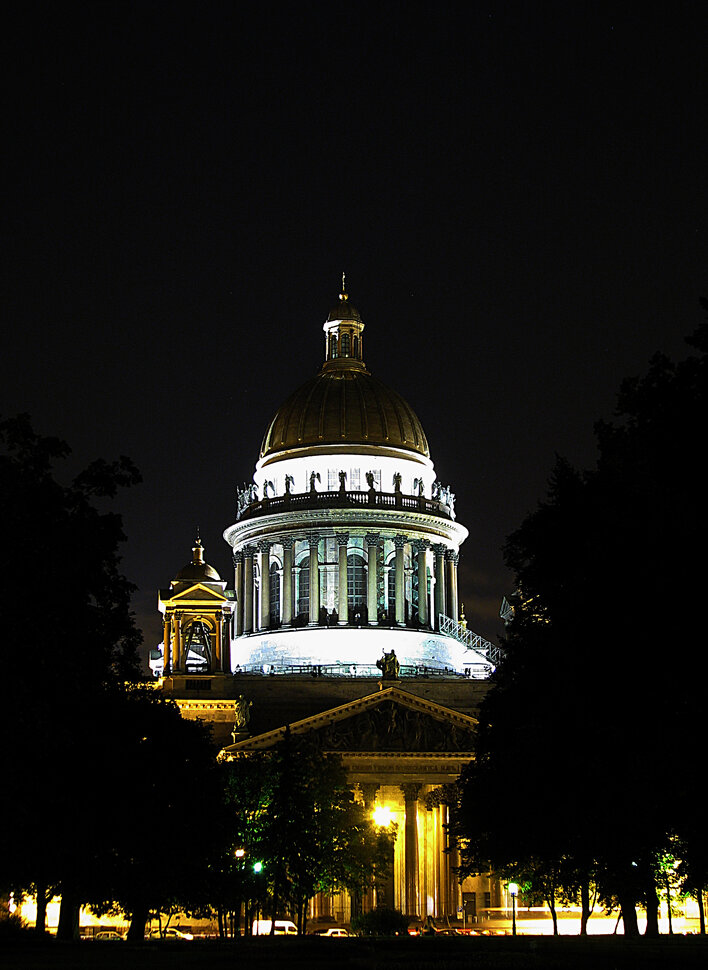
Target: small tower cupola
{"x":343,"y":333}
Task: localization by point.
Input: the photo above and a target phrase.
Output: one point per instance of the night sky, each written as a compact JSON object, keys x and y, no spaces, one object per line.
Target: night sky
{"x":516,"y":192}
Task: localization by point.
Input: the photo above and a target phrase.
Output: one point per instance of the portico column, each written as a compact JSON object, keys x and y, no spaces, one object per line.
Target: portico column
{"x":287,"y":544}
{"x":342,"y":542}
{"x":226,"y":633}
{"x":410,"y":795}
{"x":452,"y":559}
{"x":166,"y":646}
{"x":439,"y":550}
{"x":217,"y":666}
{"x":248,"y":589}
{"x":400,"y":541}
{"x":421,"y":545}
{"x":178,"y":642}
{"x":369,"y":792}
{"x":440,"y":857}
{"x":372,"y":546}
{"x":445,"y":873}
{"x":238,"y":586}
{"x":264,"y":567}
{"x":314,"y":542}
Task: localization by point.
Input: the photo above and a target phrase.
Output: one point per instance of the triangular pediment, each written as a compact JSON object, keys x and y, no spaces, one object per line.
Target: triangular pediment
{"x":198,"y":594}
{"x":390,"y":720}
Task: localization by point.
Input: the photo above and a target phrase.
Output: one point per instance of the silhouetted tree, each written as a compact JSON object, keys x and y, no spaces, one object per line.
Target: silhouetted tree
{"x":66,"y":636}
{"x":602,"y":674}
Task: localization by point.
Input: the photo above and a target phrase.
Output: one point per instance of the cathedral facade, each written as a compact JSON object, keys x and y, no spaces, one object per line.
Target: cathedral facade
{"x":343,"y":622}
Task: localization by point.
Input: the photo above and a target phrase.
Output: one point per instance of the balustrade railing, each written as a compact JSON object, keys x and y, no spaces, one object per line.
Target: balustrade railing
{"x":470,"y":639}
{"x":355,"y":670}
{"x":293,"y":501}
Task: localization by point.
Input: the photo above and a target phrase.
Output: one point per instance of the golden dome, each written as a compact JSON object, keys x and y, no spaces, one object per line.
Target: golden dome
{"x":197,"y":570}
{"x":344,"y":405}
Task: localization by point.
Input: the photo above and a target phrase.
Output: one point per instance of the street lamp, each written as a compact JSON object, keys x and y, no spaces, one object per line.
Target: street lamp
{"x":513,"y":892}
{"x":382,"y":816}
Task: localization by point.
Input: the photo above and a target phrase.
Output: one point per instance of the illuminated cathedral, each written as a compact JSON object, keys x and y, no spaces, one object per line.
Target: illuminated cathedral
{"x":343,"y":621}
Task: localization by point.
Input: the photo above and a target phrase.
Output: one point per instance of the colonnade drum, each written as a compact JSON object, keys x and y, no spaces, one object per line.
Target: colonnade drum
{"x":344,"y":579}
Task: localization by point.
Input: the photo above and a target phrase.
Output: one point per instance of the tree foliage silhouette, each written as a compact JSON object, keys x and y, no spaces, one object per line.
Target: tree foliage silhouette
{"x":603,"y":673}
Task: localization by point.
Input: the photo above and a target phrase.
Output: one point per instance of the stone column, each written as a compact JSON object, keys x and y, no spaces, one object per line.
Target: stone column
{"x":217,"y":664}
{"x":410,"y":794}
{"x":314,"y":542}
{"x":421,"y":545}
{"x":369,"y":793}
{"x":372,"y":545}
{"x":452,"y":559}
{"x":439,"y":550}
{"x":441,"y":894}
{"x":287,"y":543}
{"x":400,"y":542}
{"x":264,"y":567}
{"x":166,"y":646}
{"x":238,"y":586}
{"x":177,"y":654}
{"x":226,"y":633}
{"x":445,"y":873}
{"x":248,"y":589}
{"x":342,"y":542}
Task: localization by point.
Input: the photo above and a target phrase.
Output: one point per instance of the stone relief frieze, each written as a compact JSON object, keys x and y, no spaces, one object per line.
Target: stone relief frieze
{"x":392,"y":727}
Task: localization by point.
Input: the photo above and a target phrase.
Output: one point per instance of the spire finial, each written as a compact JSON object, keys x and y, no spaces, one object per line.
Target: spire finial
{"x":198,"y":550}
{"x":344,"y":295}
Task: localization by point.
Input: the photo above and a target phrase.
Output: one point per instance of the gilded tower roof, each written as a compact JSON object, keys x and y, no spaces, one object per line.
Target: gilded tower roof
{"x":197,"y":570}
{"x":344,"y":404}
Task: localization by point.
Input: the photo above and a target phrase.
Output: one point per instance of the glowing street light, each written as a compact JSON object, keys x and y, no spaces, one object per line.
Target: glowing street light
{"x":382,"y":816}
{"x":513,"y":892}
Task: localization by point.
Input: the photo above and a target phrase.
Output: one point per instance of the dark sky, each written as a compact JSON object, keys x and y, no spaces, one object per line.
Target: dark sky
{"x":517,"y":193}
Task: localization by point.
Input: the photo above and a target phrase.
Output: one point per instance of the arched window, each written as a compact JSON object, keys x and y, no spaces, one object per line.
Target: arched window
{"x":303,"y":588}
{"x":346,"y":345}
{"x":356,"y":347}
{"x":274,"y":595}
{"x":332,"y":346}
{"x":356,"y":586}
{"x":391,"y":590}
{"x":198,"y":647}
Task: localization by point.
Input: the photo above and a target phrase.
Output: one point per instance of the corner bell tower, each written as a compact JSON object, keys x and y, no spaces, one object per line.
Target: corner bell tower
{"x":197,"y":615}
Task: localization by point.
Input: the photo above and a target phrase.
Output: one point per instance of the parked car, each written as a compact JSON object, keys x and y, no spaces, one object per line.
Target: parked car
{"x":172,"y":933}
{"x":110,"y":935}
{"x":283,"y":927}
{"x":332,"y":931}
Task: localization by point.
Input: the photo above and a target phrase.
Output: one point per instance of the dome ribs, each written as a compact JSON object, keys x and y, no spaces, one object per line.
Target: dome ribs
{"x":305,"y":408}
{"x":343,"y":409}
{"x":362,"y":411}
{"x":376,"y":389}
{"x":322,"y":416}
{"x":334,"y":409}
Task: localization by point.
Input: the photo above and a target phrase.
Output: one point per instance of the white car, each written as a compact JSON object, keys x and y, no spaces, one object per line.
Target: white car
{"x":283,"y":927}
{"x":332,"y":931}
{"x":173,"y":933}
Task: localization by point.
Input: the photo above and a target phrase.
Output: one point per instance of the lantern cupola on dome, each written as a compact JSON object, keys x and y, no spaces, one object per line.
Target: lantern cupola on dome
{"x":344,"y":335}
{"x":197,"y":570}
